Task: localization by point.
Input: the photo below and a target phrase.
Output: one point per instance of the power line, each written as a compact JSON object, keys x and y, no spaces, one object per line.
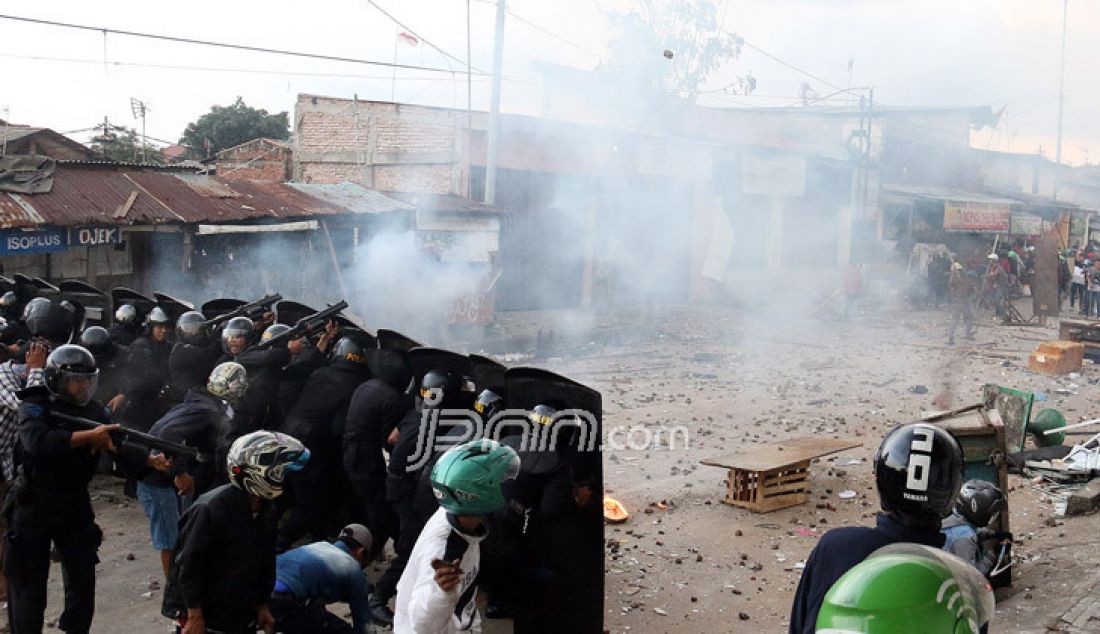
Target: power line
{"x":257,"y":71}
{"x":239,"y":47}
{"x":545,"y":31}
{"x":789,"y":65}
{"x":557,"y":37}
{"x":420,"y":38}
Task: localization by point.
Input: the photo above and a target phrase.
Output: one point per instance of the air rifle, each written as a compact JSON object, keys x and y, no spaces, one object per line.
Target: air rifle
{"x":132,"y":436}
{"x":252,"y":310}
{"x":305,"y":327}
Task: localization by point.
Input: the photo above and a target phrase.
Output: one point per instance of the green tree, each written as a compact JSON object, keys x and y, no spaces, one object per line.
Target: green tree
{"x":226,"y":126}
{"x":669,"y":45}
{"x":123,"y":144}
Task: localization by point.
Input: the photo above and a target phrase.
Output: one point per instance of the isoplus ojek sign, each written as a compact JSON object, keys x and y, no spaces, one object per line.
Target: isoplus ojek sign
{"x":54,"y":239}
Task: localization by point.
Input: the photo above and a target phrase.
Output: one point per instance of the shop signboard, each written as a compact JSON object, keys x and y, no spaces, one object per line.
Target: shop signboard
{"x":976,"y":217}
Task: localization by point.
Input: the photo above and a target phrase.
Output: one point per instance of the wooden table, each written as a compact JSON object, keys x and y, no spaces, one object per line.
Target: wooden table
{"x":769,"y":477}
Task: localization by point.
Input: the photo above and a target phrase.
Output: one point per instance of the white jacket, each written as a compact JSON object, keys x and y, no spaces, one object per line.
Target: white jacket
{"x":422,"y":607}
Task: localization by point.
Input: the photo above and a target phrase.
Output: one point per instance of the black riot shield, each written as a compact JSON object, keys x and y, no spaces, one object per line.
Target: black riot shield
{"x":488,"y":373}
{"x":423,"y":360}
{"x":143,"y":303}
{"x":393,"y":340}
{"x":289,"y":312}
{"x":173,"y":306}
{"x":95,"y":303}
{"x":45,"y":289}
{"x":221,"y":306}
{"x":558,"y":540}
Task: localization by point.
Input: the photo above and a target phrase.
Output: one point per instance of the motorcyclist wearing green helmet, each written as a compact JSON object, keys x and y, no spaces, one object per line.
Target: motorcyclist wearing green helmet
{"x":908,"y":589}
{"x":437,"y":589}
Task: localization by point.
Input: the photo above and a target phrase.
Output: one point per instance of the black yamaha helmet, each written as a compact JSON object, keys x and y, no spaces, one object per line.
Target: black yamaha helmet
{"x":236,"y":327}
{"x":49,"y":320}
{"x":71,"y":374}
{"x":274,"y":330}
{"x":979,"y":502}
{"x":350,"y":350}
{"x":158,"y":316}
{"x":918,"y":470}
{"x":96,"y":340}
{"x":191,"y":328}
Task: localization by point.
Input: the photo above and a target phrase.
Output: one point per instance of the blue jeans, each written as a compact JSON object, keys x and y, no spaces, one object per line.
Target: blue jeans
{"x":1092,"y":303}
{"x":162,"y":507}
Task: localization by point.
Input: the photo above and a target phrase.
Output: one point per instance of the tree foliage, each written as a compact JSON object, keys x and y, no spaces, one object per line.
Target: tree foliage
{"x":226,"y":126}
{"x":669,"y":45}
{"x":123,"y":144}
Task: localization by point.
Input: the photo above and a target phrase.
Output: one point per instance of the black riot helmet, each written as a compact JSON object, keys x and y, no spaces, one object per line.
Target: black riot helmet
{"x":9,"y":305}
{"x":236,"y":327}
{"x":13,"y":332}
{"x":349,"y":350}
{"x":918,"y":471}
{"x":49,"y":320}
{"x":96,"y":340}
{"x":979,"y":502}
{"x":71,"y":374}
{"x":488,"y":404}
{"x":127,"y":315}
{"x":191,"y":329}
{"x":274,"y":330}
{"x":439,"y":389}
{"x":158,"y":316}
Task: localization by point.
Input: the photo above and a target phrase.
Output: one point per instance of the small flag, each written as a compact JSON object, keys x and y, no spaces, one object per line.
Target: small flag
{"x":408,"y":38}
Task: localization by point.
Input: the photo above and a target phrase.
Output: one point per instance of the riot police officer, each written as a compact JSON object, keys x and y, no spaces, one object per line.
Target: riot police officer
{"x":145,"y":388}
{"x":376,"y":407}
{"x":127,"y":325}
{"x":193,"y":356}
{"x":318,"y":421}
{"x":258,"y":409}
{"x":49,"y":501}
{"x":110,"y":358}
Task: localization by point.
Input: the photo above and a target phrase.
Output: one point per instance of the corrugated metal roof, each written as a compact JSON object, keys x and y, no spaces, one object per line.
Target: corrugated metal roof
{"x":91,"y":195}
{"x":445,"y":204}
{"x":355,"y":198}
{"x":15,"y":214}
{"x":938,"y":192}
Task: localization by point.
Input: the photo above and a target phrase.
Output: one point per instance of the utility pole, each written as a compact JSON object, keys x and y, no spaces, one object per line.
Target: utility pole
{"x":469,"y":76}
{"x":138,"y":107}
{"x":1061,"y":83}
{"x":494,"y":110}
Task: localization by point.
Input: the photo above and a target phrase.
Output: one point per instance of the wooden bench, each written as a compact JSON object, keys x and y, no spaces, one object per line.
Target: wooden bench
{"x":764,"y":478}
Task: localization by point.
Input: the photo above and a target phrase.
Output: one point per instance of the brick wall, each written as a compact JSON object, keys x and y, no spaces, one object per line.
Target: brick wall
{"x":259,"y":160}
{"x":380,"y":145}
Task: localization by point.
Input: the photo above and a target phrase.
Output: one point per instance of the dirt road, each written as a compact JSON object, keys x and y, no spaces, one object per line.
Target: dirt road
{"x":732,"y":379}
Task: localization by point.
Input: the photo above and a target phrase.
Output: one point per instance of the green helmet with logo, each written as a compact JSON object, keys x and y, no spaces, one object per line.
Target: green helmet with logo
{"x":908,"y":589}
{"x":466,"y":480}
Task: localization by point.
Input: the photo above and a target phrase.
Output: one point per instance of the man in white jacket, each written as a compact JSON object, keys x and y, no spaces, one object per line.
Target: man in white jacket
{"x":437,"y":590}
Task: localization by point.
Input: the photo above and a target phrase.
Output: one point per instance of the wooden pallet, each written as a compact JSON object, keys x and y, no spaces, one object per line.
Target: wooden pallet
{"x":769,"y":477}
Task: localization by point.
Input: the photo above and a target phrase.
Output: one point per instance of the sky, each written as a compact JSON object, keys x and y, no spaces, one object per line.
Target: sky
{"x":1001,"y":53}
